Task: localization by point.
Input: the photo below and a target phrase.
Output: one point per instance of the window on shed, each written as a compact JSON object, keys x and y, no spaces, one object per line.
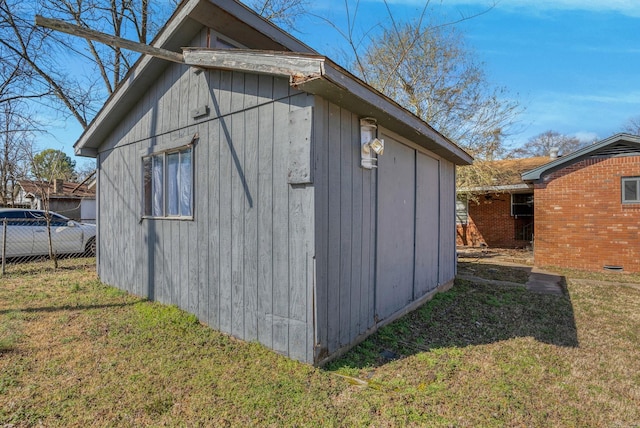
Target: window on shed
{"x":462,"y":211}
{"x":168,"y":184}
{"x":631,"y":190}
{"x":522,"y":204}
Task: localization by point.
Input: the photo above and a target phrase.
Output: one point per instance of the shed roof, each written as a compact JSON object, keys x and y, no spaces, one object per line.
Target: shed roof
{"x":616,"y":145}
{"x":274,"y":52}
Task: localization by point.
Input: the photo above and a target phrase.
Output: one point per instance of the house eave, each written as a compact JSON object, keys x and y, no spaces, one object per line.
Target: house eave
{"x":537,"y":173}
{"x":509,"y":188}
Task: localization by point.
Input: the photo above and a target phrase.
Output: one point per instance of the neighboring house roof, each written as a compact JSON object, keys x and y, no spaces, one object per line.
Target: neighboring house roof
{"x":617,"y":145}
{"x":507,"y":174}
{"x":275,"y":53}
{"x":68,"y":191}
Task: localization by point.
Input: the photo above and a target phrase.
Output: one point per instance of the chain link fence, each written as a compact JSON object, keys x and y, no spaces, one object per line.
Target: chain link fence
{"x":44,"y":240}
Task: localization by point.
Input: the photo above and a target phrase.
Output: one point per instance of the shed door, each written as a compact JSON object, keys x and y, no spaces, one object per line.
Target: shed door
{"x":396,"y":226}
{"x":427,"y":223}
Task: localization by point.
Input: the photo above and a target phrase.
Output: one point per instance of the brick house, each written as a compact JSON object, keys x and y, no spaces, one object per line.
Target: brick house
{"x":587,"y":207}
{"x":500,"y":215}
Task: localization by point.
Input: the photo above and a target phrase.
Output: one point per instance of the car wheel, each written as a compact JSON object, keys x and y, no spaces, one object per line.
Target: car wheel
{"x":90,"y":248}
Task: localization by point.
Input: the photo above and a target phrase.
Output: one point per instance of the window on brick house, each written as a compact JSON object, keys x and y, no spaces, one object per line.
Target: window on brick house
{"x":631,"y":190}
{"x":462,"y":211}
{"x":522,"y":204}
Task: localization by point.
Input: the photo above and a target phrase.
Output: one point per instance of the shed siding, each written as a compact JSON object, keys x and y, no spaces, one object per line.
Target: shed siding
{"x":244,"y":265}
{"x":344,"y":230}
{"x":428,"y":231}
{"x":396,"y":228}
{"x":447,"y":257}
{"x":355,"y":280}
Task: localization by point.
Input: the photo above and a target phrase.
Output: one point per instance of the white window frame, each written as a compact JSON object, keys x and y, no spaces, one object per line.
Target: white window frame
{"x":161,"y":209}
{"x":623,"y":196}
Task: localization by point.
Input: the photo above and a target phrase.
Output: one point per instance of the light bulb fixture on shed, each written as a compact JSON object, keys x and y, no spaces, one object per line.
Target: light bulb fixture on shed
{"x":370,"y":145}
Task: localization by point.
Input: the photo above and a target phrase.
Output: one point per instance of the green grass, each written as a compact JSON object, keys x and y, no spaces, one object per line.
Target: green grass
{"x":77,"y":353}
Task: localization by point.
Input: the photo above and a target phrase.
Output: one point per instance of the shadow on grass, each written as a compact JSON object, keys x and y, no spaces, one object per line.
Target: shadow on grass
{"x":46,"y":309}
{"x":471,"y":313}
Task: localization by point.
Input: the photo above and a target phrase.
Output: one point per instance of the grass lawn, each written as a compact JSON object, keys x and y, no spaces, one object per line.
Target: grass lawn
{"x":74,"y":352}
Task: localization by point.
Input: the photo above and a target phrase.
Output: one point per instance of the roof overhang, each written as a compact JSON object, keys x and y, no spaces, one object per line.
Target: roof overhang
{"x":509,"y":188}
{"x":276,"y":53}
{"x":578,"y":155}
{"x":318,"y":75}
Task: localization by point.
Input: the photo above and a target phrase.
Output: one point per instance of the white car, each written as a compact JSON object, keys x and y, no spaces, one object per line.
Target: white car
{"x":27,"y":234}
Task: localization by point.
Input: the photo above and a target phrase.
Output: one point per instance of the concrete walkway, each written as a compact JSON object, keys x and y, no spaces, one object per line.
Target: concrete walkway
{"x":544,"y":282}
{"x":539,"y":281}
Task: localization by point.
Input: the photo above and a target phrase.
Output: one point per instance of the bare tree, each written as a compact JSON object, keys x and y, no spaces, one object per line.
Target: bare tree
{"x":15,"y":131}
{"x":632,"y":126}
{"x":281,"y":12}
{"x":542,"y":144}
{"x":426,"y":67}
{"x":431,"y":72}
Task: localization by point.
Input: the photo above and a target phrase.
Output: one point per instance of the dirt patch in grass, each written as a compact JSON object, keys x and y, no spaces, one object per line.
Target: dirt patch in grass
{"x":89,"y":355}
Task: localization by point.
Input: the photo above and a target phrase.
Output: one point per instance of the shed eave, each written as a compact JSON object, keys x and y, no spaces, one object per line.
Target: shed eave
{"x":189,"y":18}
{"x":281,"y":64}
{"x":344,"y":89}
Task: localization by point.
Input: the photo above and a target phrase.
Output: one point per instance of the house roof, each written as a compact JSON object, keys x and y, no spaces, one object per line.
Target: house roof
{"x":616,"y":145}
{"x":69,"y":190}
{"x":274,"y":52}
{"x":507,"y":174}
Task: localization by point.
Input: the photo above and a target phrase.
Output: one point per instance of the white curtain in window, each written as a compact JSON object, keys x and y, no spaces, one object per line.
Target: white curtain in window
{"x":157,"y":209}
{"x":173,"y":164}
{"x":185,"y":182}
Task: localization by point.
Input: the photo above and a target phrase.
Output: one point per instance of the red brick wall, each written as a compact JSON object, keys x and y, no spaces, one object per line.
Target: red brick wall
{"x":580,"y":221}
{"x":491,"y":224}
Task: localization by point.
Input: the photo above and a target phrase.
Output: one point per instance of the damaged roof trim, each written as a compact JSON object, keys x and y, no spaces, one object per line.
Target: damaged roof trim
{"x":283,"y":64}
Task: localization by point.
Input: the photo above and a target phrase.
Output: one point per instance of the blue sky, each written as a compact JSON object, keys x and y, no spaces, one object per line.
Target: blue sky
{"x":574,"y":65}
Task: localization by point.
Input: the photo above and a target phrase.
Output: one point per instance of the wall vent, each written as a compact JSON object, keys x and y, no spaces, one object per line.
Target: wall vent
{"x":612,"y":268}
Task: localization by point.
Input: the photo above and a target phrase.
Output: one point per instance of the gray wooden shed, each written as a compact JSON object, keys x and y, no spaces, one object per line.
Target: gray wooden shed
{"x":233,"y":186}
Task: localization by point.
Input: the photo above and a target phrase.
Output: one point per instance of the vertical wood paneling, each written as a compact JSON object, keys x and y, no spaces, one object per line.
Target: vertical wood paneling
{"x":346,"y":222}
{"x":226,"y":165}
{"x":301,"y":217}
{"x":396,"y":216}
{"x":265,"y":212}
{"x":280,"y":222}
{"x":321,"y":203}
{"x":204,"y":217}
{"x":447,"y":258}
{"x":366,"y":298}
{"x":239,"y":195}
{"x":334,"y":241}
{"x":356,"y":326}
{"x":250,"y":209}
{"x":214,"y":203}
{"x":427,"y":224}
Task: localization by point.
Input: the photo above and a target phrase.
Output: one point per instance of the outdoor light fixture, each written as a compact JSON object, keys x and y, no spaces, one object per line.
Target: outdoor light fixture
{"x":371,"y":146}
